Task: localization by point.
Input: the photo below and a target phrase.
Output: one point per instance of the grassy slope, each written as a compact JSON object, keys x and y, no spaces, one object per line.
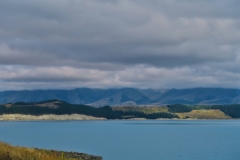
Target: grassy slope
{"x":8,"y":152}
{"x":198,"y":113}
{"x":204,"y":114}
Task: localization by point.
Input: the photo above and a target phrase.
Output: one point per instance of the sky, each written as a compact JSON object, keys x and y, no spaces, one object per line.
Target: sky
{"x":65,"y":44}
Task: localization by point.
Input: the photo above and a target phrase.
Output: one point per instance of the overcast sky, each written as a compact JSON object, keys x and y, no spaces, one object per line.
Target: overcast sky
{"x":64,"y":44}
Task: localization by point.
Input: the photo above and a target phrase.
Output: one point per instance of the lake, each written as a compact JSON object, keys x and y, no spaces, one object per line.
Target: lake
{"x":132,"y":140}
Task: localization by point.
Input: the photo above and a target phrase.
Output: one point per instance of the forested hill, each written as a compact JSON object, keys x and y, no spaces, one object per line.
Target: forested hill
{"x":62,"y":108}
{"x":127,"y":96}
{"x":125,"y":112}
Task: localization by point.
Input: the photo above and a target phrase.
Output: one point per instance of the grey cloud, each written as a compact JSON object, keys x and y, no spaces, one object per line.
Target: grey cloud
{"x":121,"y":38}
{"x":100,"y":28}
{"x":194,"y":8}
{"x":50,"y":74}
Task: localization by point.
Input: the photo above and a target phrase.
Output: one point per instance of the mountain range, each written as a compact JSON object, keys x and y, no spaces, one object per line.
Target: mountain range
{"x":127,"y":96}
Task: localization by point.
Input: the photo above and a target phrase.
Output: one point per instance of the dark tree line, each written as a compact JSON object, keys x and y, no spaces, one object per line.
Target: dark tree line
{"x":231,"y":110}
{"x":179,"y":108}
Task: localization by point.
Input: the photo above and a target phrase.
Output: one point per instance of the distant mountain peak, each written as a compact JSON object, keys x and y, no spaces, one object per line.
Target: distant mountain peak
{"x":125,"y":96}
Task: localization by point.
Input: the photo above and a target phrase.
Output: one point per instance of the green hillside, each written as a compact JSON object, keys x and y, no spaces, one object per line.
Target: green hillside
{"x":125,"y":112}
{"x":61,"y":108}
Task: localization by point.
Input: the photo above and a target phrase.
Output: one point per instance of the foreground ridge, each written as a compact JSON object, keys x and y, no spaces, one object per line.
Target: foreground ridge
{"x":9,"y":152}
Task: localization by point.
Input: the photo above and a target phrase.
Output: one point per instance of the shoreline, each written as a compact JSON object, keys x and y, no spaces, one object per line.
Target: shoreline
{"x":78,"y":117}
{"x":48,"y":117}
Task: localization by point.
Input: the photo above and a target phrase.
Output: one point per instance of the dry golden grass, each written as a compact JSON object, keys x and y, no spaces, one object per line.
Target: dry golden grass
{"x":204,"y":114}
{"x":8,"y":152}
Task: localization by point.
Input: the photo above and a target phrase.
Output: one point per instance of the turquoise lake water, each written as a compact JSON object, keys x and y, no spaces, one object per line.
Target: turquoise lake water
{"x":132,"y":140}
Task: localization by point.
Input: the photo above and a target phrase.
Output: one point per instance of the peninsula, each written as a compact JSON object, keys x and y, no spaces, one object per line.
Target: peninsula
{"x":60,"y":110}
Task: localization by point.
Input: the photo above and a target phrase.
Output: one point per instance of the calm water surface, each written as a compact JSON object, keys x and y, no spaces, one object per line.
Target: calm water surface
{"x":132,"y":140}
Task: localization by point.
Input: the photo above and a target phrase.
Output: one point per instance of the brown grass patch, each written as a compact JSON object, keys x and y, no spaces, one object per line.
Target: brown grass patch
{"x":204,"y":114}
{"x":8,"y":152}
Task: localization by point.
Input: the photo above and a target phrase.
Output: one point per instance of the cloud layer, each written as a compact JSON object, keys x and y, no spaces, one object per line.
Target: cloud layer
{"x":119,"y":43}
